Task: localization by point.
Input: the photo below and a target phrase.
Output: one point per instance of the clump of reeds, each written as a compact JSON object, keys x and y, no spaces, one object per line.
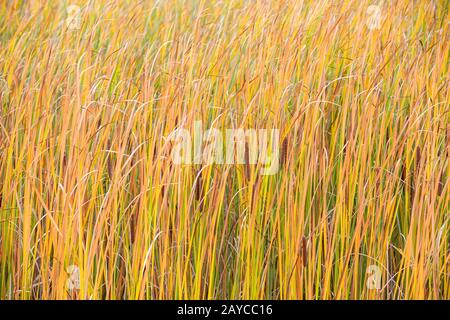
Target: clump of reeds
{"x":93,"y":207}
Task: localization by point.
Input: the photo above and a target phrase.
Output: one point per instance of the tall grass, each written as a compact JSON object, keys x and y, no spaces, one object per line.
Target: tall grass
{"x":86,"y":177}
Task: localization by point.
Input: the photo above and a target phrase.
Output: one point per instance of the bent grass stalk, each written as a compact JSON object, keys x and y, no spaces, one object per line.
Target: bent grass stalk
{"x":87,"y":179}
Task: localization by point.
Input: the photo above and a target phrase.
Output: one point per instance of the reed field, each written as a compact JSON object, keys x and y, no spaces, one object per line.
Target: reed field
{"x":93,"y":206}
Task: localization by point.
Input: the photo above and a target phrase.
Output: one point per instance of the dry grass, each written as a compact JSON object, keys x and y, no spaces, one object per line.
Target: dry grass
{"x":86,"y":177}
